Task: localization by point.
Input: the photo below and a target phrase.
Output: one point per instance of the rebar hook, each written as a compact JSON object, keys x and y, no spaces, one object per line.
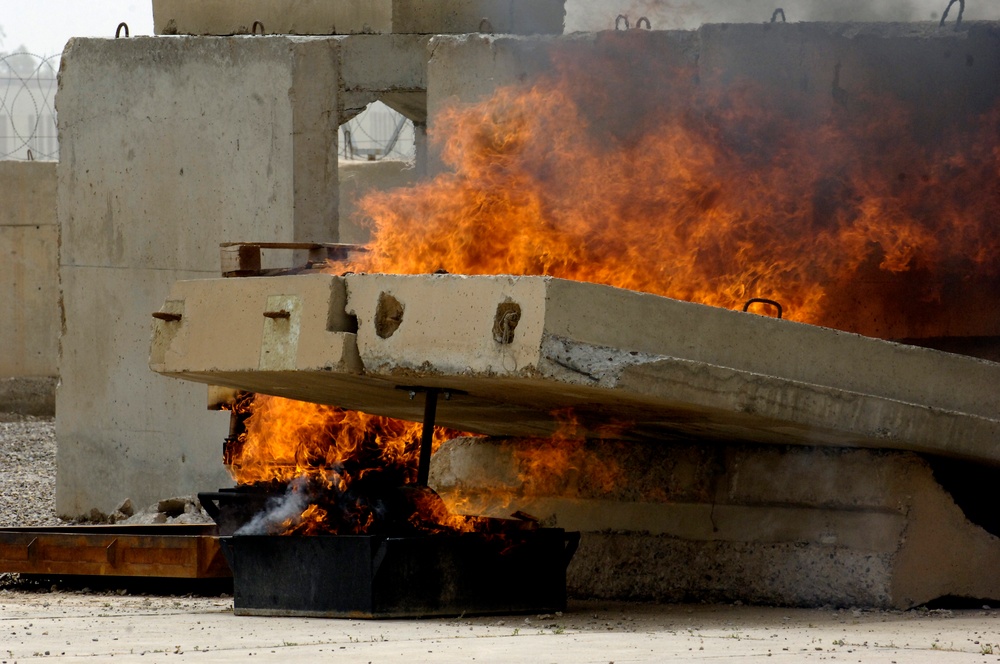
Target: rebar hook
{"x":31,"y":155}
{"x":638,"y":24}
{"x":961,"y":10}
{"x":118,"y":30}
{"x":774,"y":16}
{"x":253,"y":28}
{"x":763,"y":300}
{"x":485,"y":25}
{"x":619,"y":19}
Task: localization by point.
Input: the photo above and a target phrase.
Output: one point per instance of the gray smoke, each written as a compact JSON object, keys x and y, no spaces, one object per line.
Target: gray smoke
{"x":277,"y":511}
{"x":593,"y":15}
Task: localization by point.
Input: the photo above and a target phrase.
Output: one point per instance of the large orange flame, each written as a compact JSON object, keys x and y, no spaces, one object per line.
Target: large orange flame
{"x":846,"y":212}
{"x":345,"y":469}
{"x":632,"y":173}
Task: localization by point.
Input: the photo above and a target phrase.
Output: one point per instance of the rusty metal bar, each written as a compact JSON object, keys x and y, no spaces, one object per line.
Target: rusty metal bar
{"x":427,"y":436}
{"x":958,"y":19}
{"x":243,"y":259}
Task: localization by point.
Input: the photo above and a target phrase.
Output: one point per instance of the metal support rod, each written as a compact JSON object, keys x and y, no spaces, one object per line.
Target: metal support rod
{"x":427,"y":437}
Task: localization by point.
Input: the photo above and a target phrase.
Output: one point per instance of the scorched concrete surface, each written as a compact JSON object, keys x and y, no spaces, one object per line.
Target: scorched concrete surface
{"x":70,"y":627}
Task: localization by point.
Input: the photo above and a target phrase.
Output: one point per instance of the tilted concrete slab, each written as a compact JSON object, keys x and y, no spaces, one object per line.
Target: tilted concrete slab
{"x":765,"y":524}
{"x":326,"y":17}
{"x":520,"y":348}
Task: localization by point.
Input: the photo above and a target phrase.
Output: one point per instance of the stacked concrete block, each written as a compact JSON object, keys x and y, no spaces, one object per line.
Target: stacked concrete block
{"x":170,"y":147}
{"x":942,"y":75}
{"x":657,"y":463}
{"x":730,"y":522}
{"x":29,"y":286}
{"x":323,"y":17}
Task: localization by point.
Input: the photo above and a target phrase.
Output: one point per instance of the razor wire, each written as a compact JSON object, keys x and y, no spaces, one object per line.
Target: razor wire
{"x":377,"y":133}
{"x":27,"y":106}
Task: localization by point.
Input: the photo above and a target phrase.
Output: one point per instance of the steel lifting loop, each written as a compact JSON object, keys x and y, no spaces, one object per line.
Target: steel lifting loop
{"x":485,"y":25}
{"x":643,"y":19}
{"x":618,"y":21}
{"x":774,"y":19}
{"x":961,"y":10}
{"x":762,"y":300}
{"x":118,"y":30}
{"x":253,"y":28}
{"x":31,"y":155}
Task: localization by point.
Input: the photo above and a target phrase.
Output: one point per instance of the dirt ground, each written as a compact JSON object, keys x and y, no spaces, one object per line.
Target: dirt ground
{"x":86,"y":626}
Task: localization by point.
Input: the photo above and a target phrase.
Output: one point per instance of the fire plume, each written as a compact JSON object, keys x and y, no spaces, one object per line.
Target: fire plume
{"x":632,"y":172}
{"x":345,"y":468}
{"x":846,"y":212}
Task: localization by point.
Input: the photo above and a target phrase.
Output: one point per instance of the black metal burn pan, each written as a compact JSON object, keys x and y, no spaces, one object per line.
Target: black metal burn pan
{"x":372,"y":576}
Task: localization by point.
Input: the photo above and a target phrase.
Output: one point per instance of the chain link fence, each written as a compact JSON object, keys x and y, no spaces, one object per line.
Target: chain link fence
{"x":28,"y":130}
{"x":27,"y":106}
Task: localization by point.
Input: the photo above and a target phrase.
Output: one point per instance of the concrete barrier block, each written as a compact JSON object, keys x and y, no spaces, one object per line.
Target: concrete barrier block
{"x":150,"y":175}
{"x":837,"y":64}
{"x":143,"y":436}
{"x":321,"y":17}
{"x":811,"y":527}
{"x":360,"y":177}
{"x":279,"y":324}
{"x":29,"y":280}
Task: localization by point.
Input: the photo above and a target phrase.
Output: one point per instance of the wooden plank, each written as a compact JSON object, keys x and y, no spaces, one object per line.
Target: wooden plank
{"x":174,"y":552}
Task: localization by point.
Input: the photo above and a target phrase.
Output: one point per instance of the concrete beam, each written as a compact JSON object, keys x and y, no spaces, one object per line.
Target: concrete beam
{"x":521,"y":348}
{"x":322,"y":17}
{"x":794,"y":526}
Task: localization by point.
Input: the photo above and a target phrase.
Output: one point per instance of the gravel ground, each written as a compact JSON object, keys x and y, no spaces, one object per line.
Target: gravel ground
{"x":27,"y":471}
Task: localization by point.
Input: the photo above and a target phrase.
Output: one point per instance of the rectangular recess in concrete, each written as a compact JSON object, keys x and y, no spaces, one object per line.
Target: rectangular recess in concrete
{"x":522,"y":348}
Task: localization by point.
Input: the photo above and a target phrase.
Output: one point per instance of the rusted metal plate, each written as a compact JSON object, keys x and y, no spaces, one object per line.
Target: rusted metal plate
{"x":183,"y":552}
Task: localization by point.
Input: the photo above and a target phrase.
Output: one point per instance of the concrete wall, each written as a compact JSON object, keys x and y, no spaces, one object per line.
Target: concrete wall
{"x":323,"y":17}
{"x":725,"y":522}
{"x":358,"y":178}
{"x":29,"y":287}
{"x":29,"y":281}
{"x":169,"y":147}
{"x":831,"y":63}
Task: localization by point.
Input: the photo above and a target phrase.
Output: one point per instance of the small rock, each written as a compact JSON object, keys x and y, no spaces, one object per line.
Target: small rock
{"x":126,"y":508}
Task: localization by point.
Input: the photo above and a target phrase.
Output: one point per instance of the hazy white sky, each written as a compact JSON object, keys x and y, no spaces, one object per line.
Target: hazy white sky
{"x":44,"y":26}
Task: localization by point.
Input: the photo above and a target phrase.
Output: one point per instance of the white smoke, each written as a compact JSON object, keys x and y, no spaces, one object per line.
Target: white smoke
{"x":280,"y":510}
{"x":594,"y":15}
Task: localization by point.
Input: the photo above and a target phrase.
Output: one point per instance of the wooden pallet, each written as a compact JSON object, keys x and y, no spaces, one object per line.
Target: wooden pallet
{"x":165,"y":551}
